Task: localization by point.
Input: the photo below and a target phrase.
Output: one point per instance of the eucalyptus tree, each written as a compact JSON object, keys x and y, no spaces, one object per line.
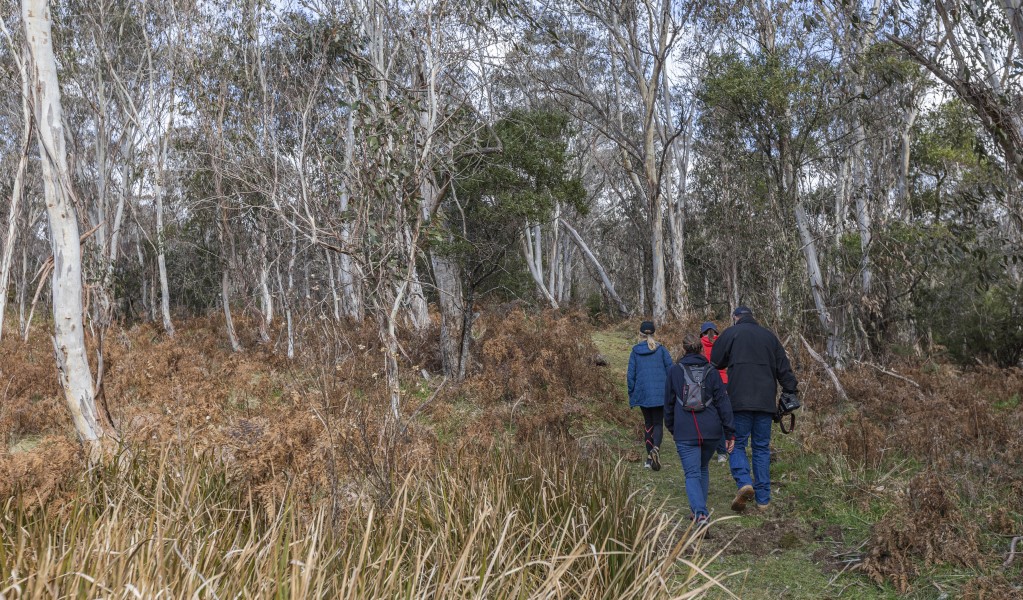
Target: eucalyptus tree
{"x":608,"y":64}
{"x":772,"y":88}
{"x":976,"y":49}
{"x":74,"y":372}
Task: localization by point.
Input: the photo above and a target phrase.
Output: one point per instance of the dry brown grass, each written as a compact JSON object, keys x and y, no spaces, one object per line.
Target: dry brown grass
{"x":961,"y":428}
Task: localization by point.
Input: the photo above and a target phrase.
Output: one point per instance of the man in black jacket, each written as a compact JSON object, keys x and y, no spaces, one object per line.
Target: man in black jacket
{"x":756,"y":364}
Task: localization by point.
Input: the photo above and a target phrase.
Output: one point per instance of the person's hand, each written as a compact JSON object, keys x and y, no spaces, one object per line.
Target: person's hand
{"x":729,"y":445}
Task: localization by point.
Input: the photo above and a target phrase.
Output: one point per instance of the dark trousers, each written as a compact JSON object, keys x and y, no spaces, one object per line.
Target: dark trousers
{"x":653,"y":426}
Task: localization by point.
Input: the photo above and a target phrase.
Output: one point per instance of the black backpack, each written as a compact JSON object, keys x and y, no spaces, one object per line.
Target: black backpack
{"x":692,"y":389}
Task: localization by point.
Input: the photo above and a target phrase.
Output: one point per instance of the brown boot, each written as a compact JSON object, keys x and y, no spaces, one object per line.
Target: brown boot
{"x":745,"y":495}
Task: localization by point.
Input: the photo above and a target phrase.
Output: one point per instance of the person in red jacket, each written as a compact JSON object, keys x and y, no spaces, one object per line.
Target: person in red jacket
{"x":709,"y":333}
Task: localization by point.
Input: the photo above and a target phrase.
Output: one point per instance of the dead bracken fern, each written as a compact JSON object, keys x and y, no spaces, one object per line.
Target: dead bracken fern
{"x":928,"y":528}
{"x":521,"y":525}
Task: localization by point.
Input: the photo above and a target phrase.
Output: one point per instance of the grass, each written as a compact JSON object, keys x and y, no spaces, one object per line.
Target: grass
{"x":797,"y":549}
{"x":499,"y":525}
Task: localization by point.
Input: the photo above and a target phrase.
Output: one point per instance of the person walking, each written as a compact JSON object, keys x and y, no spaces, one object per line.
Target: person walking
{"x":698,"y":413}
{"x":648,"y":368}
{"x":756,"y":364}
{"x":709,"y":333}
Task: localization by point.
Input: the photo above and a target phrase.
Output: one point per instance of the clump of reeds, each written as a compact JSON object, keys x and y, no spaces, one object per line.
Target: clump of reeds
{"x":513,"y":525}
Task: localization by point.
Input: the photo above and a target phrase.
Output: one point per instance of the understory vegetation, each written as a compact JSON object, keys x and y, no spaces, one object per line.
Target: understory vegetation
{"x":244,"y":475}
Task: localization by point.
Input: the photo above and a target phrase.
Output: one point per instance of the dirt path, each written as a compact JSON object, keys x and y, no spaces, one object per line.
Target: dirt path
{"x":792,"y":552}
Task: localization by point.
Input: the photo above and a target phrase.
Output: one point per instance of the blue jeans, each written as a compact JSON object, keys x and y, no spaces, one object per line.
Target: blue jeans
{"x":753,"y":427}
{"x":695,"y":458}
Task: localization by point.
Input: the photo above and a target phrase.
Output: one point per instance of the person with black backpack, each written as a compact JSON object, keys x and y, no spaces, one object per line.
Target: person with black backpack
{"x":698,"y":413}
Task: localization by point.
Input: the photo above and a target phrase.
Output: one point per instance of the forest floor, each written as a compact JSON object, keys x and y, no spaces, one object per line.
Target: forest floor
{"x":886,"y":488}
{"x":810,"y":542}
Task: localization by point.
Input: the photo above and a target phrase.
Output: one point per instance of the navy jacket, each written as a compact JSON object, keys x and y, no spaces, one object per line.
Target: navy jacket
{"x":709,"y":424}
{"x":756,"y":364}
{"x":647,"y":371}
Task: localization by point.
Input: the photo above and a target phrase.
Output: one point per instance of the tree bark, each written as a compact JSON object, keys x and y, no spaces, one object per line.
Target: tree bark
{"x":609,"y":287}
{"x":266,"y":306}
{"x":531,"y":247}
{"x":14,"y":210}
{"x":73,"y":369}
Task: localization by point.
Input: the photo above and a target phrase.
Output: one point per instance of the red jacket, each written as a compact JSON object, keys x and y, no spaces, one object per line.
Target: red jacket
{"x":707,"y":345}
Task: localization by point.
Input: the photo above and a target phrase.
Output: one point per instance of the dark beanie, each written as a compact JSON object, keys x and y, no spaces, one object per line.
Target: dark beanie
{"x":742,"y":310}
{"x":646,"y":327}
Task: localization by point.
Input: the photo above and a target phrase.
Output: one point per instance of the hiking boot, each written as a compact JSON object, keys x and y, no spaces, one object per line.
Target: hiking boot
{"x":763,"y":508}
{"x":745,"y":495}
{"x":655,"y":459}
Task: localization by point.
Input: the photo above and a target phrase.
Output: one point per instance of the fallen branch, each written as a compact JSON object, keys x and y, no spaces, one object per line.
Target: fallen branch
{"x":827,"y":368}
{"x":890,"y":373}
{"x":1012,"y":551}
{"x":609,"y":287}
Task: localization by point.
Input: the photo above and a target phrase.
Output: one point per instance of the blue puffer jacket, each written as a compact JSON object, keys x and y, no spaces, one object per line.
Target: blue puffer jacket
{"x":648,"y":370}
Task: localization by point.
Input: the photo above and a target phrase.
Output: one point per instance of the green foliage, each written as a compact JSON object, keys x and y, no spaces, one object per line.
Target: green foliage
{"x":497,"y":193}
{"x":528,"y":176}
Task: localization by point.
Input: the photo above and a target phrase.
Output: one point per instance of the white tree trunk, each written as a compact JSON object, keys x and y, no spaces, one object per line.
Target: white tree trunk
{"x":333,"y":286}
{"x":14,"y":210}
{"x":225,"y":265}
{"x":266,"y":306}
{"x":349,"y":271}
{"x":289,"y":295}
{"x":813,"y":270}
{"x":161,"y":261}
{"x":658,"y":293}
{"x":531,"y":249}
{"x":419,"y":313}
{"x":609,"y":287}
{"x":73,"y":370}
{"x":23,"y":292}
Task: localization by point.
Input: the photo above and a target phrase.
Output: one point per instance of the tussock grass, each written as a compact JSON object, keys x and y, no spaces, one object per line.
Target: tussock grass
{"x":542,"y":524}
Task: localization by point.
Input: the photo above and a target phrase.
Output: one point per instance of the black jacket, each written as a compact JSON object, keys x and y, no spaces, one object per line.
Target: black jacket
{"x":755,"y":360}
{"x":709,"y":424}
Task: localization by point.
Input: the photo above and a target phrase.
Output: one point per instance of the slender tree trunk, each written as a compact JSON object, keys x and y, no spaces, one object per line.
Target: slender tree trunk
{"x":225,"y":270}
{"x":161,"y":261}
{"x":144,"y":276}
{"x":331,"y":279}
{"x":266,"y":307}
{"x":642,"y":287}
{"x":419,"y":313}
{"x":609,"y":287}
{"x":73,"y":369}
{"x":349,"y":272}
{"x":14,"y":210}
{"x":902,"y":192}
{"x":813,"y":271}
{"x":289,"y":295}
{"x":531,"y":249}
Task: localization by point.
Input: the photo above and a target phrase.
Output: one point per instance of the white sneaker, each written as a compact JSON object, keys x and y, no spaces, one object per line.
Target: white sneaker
{"x":722,"y":458}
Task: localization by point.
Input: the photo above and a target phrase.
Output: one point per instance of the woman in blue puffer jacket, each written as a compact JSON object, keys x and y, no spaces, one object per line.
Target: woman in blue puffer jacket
{"x":648,"y":369}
